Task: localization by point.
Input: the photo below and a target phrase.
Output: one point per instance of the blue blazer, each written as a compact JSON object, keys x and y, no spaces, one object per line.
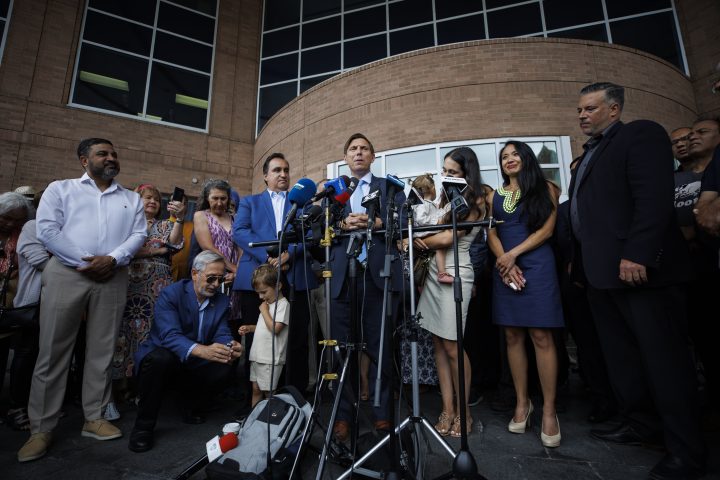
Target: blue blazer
{"x":177,"y":319}
{"x":255,"y":222}
{"x":376,"y":256}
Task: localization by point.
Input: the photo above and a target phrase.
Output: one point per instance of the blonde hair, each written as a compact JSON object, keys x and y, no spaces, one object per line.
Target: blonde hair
{"x":264,"y":275}
{"x":146,"y":187}
{"x":423,"y":183}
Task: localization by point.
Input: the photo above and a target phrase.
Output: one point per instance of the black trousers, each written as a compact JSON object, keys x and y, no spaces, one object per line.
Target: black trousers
{"x":199,"y":381}
{"x":643,"y":334}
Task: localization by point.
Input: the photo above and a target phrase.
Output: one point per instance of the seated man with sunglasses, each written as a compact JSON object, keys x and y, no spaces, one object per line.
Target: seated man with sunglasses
{"x":190,"y":342}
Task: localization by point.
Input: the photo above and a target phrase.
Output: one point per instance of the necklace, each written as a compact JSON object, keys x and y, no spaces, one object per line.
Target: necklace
{"x":510,"y":199}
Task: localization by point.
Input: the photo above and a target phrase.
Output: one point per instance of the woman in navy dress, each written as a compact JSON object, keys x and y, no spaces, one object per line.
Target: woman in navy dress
{"x":526,"y":296}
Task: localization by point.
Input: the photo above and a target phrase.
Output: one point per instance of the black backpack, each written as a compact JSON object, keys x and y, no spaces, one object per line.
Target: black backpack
{"x":286,"y":413}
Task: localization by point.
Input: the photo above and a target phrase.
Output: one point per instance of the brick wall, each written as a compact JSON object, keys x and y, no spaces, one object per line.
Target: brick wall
{"x":482,"y":89}
{"x":39,"y":132}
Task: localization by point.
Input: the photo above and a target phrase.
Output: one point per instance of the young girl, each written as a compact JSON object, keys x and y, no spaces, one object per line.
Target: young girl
{"x":429,"y":213}
{"x":265,"y":368}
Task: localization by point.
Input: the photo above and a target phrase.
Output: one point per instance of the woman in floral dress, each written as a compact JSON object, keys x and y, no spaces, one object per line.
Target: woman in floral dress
{"x":149,"y":272}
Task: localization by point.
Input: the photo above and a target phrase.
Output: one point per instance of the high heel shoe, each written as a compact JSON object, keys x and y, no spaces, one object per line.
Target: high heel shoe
{"x":519,"y":427}
{"x":455,"y":429}
{"x":551,"y":441}
{"x":443,"y":425}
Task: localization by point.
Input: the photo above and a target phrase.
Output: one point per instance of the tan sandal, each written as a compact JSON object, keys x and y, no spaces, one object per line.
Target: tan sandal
{"x":443,"y":425}
{"x":455,"y":429}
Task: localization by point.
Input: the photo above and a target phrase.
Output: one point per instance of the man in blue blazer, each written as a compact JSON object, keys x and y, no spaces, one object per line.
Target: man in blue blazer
{"x":189,"y":340}
{"x":259,"y":218}
{"x":359,"y":155}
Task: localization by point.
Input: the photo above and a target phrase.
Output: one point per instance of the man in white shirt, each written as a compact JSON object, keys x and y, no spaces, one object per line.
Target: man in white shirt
{"x":93,"y":227}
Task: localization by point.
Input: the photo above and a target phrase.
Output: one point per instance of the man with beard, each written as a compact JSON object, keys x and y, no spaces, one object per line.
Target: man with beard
{"x":93,"y":227}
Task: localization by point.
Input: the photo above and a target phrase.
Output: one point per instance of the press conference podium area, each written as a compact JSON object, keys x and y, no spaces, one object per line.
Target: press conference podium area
{"x":498,"y":453}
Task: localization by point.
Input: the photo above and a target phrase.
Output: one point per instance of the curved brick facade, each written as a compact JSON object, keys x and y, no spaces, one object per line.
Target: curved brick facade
{"x":481,"y":89}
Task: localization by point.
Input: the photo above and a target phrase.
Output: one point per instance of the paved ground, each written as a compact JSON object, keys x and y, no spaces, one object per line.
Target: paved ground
{"x":499,"y":454}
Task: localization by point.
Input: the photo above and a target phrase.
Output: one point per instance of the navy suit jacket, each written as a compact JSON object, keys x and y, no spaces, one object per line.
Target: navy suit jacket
{"x":177,"y":319}
{"x":625,"y":200}
{"x":376,"y":255}
{"x":255,"y":222}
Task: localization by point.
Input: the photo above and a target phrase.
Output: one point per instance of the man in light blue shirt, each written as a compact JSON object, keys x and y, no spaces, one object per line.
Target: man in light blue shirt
{"x":93,"y":227}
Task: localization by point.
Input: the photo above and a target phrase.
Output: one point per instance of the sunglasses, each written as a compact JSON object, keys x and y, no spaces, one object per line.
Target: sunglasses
{"x":215,"y":278}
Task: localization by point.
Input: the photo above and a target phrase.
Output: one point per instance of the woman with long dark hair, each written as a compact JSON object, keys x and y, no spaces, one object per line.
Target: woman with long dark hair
{"x":526,"y":295}
{"x":437,"y":302}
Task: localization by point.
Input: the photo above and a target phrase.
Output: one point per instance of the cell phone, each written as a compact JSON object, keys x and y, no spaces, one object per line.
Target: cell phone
{"x":177,"y":195}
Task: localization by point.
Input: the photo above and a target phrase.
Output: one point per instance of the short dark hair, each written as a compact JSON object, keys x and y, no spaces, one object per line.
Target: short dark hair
{"x":265,"y":275}
{"x":84,"y":147}
{"x":266,"y":164}
{"x":613,"y":92}
{"x":355,"y":136}
{"x":716,"y":120}
{"x":679,"y":128}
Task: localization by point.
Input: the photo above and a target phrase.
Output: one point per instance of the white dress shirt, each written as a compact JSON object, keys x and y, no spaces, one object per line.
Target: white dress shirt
{"x":278,"y":203}
{"x":75,"y":220}
{"x":361,"y":191}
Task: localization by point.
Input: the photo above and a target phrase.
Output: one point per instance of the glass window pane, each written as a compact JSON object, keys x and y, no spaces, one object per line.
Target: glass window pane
{"x":546,"y":152}
{"x":364,"y":22}
{"x":351,"y":4}
{"x":516,"y":21}
{"x":456,"y":7}
{"x":411,"y":163}
{"x":491,"y":177}
{"x":178,"y":96}
{"x":279,"y":69}
{"x":320,"y":60}
{"x":110,"y":80}
{"x":485,"y":153}
{"x":411,"y":39}
{"x":594,"y":32}
{"x":308,"y":83}
{"x":343,"y":169}
{"x":620,"y":8}
{"x":273,"y":99}
{"x":655,"y":34}
{"x":204,"y":6}
{"x":320,"y":8}
{"x":501,"y":3}
{"x":141,"y":11}
{"x":127,"y":36}
{"x":365,"y":50}
{"x":321,"y":32}
{"x":184,"y":22}
{"x":280,"y":41}
{"x":183,"y":52}
{"x":410,"y":12}
{"x":566,"y":13}
{"x":4,"y":8}
{"x":461,"y":29}
{"x":552,"y":174}
{"x":280,"y":13}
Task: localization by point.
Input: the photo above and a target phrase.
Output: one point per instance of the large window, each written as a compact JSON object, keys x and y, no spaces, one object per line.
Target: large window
{"x":307,"y":41}
{"x":147,"y":59}
{"x":553,"y":154}
{"x":5,"y":9}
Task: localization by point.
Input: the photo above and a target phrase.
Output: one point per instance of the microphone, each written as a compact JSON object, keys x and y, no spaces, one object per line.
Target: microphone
{"x":394,"y":185}
{"x":371,"y":202}
{"x":454,"y":188}
{"x":335,"y":187}
{"x":214,"y":448}
{"x":343,"y":197}
{"x":414,"y":197}
{"x":301,"y":193}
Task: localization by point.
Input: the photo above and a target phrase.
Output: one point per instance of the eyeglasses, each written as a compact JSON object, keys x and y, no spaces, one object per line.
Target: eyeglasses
{"x":215,"y":278}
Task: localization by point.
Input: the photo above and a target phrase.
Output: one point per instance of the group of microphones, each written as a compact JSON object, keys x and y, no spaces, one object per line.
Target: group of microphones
{"x":339,"y":190}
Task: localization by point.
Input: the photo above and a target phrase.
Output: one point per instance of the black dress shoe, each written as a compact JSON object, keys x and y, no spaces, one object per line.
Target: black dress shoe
{"x":624,"y":435}
{"x":675,"y":468}
{"x":193,"y":417}
{"x":601,"y":414}
{"x":141,"y":440}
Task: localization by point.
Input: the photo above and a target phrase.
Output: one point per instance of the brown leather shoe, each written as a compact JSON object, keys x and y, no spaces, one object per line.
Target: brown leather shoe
{"x":382,"y":426}
{"x":341,"y":430}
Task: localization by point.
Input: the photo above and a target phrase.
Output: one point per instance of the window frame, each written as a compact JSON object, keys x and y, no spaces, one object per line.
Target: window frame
{"x":3,"y":39}
{"x":145,"y":116}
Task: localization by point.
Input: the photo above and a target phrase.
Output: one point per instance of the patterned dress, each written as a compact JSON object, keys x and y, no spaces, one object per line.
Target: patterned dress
{"x":146,"y":278}
{"x":222,"y":239}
